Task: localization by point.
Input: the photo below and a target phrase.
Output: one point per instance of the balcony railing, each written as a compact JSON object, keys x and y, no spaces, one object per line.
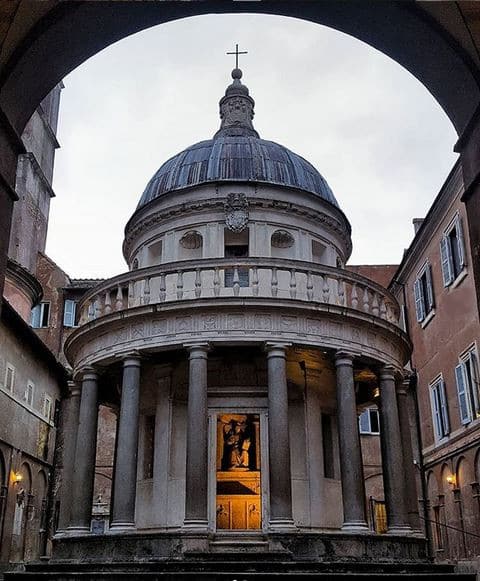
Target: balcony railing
{"x":270,"y":278}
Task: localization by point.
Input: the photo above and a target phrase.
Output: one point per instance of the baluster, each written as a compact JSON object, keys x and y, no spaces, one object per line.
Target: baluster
{"x":98,"y":307}
{"x":198,"y":284}
{"x":107,"y":302}
{"x":146,"y":291}
{"x":341,"y":292}
{"x":236,"y":281}
{"x":293,"y":283}
{"x":180,"y":285}
{"x":162,"y":291}
{"x":255,"y":281}
{"x":383,"y":308}
{"x":309,"y":286}
{"x":274,"y":283}
{"x":216,"y":282}
{"x":119,"y":299}
{"x":354,"y":296}
{"x":375,"y":309}
{"x":366,"y":300}
{"x":131,"y":293}
{"x":326,"y":289}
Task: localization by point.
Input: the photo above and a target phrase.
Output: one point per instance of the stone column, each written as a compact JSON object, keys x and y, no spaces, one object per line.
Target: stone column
{"x":125,"y":470}
{"x":278,"y":439}
{"x":351,"y":464}
{"x":85,"y":453}
{"x":70,"y":427}
{"x":410,"y":479}
{"x":392,"y":456}
{"x":196,"y":489}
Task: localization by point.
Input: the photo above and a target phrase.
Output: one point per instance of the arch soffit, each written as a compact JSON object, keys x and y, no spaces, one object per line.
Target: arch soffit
{"x":68,"y":35}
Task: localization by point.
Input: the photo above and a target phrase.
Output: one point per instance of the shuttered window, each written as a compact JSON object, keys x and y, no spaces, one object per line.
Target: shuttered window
{"x":439,"y":409}
{"x":468,"y":386}
{"x":423,"y":293}
{"x":452,"y":251}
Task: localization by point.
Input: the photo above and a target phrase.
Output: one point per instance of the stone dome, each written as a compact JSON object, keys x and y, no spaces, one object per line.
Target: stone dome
{"x":239,"y":158}
{"x":237,"y":154}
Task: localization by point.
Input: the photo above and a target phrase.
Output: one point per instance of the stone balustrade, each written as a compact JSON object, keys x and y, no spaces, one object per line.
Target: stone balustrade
{"x":246,"y":277}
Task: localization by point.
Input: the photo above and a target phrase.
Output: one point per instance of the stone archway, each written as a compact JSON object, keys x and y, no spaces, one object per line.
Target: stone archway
{"x":41,"y":45}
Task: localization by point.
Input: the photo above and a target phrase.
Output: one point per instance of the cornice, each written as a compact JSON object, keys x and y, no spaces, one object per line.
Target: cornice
{"x":452,"y":188}
{"x":39,"y":172}
{"x":341,"y":228}
{"x":24,"y":280}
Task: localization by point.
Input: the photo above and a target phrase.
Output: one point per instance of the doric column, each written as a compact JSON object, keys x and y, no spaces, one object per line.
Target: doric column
{"x":196,"y":489}
{"x":351,"y":465}
{"x":125,"y":469}
{"x":278,"y":439}
{"x":85,"y":452}
{"x":70,"y":426}
{"x":410,"y":480}
{"x":392,"y":455}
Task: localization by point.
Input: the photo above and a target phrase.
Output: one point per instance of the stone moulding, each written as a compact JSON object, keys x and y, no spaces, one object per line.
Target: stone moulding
{"x":167,"y":326}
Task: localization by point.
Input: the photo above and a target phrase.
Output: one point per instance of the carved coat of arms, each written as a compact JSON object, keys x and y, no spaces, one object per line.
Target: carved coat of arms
{"x":236,"y":212}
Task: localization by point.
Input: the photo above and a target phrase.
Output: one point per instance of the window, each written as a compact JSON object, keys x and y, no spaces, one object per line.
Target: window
{"x":40,"y":315}
{"x":368,"y":422}
{"x":29,"y":390}
{"x":423,"y":293}
{"x":452,"y":252}
{"x":9,"y":377}
{"x":47,"y":407}
{"x":438,"y":401}
{"x":236,"y":246}
{"x":69,"y":313}
{"x":466,"y":375}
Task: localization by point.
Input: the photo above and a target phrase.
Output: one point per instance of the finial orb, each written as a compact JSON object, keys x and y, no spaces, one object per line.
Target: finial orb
{"x":236,"y":74}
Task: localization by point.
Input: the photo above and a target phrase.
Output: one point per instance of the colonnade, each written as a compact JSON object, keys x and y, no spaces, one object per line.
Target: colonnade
{"x":80,"y":447}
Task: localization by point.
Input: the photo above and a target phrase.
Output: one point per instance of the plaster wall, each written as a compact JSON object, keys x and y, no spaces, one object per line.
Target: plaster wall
{"x":453,"y":328}
{"x":22,"y":425}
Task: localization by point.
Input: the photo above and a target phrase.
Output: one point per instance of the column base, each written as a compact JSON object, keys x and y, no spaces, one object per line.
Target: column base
{"x":77,"y":530}
{"x":402,"y":530}
{"x":122,"y":527}
{"x":282,"y":525}
{"x":195,"y":526}
{"x":358,"y":527}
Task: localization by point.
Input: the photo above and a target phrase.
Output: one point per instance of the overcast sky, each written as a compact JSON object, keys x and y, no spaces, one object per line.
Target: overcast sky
{"x":372,"y":130}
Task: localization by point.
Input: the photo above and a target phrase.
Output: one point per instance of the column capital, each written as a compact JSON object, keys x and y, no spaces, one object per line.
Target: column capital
{"x":73,"y":388}
{"x":87,"y":373}
{"x":387,"y":372}
{"x":276,"y":348}
{"x":197,"y":349}
{"x":344,"y":358}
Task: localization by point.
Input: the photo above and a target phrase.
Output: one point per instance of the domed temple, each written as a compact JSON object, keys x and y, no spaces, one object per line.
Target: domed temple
{"x":239,"y":352}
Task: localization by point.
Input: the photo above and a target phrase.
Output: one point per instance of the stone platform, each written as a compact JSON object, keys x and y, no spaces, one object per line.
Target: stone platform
{"x":176,"y":556}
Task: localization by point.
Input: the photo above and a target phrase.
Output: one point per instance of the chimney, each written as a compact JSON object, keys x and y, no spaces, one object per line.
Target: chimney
{"x":417,"y":222}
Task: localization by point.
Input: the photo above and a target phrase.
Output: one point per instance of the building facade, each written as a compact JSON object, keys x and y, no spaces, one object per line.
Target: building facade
{"x":435,"y":285}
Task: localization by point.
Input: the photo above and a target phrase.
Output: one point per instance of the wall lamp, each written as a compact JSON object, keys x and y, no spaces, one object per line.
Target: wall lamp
{"x":452,"y":480}
{"x":17,"y":477}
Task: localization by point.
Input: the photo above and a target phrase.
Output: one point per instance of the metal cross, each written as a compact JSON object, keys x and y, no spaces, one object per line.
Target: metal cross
{"x":236,"y":53}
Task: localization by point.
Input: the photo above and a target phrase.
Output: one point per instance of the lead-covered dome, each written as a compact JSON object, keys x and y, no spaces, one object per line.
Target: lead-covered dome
{"x":236,"y":154}
{"x":240,"y":159}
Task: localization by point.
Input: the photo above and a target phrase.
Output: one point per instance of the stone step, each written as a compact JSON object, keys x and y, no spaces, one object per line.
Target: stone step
{"x":228,"y":576}
{"x":233,"y":569}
